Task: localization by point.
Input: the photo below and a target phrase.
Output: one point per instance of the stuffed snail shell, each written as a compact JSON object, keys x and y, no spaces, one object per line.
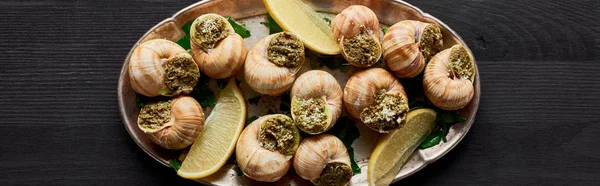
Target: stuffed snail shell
{"x":273,"y":62}
{"x":172,"y":124}
{"x":324,"y":160}
{"x":408,"y":45}
{"x":377,"y":98}
{"x":160,"y":67}
{"x":217,"y":49}
{"x":356,"y":29}
{"x":265,"y":148}
{"x":448,"y":78}
{"x":316,"y":101}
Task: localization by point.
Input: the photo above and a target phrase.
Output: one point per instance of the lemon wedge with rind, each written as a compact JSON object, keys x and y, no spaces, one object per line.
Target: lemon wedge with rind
{"x":212,"y":148}
{"x":394,"y":149}
{"x":300,"y":19}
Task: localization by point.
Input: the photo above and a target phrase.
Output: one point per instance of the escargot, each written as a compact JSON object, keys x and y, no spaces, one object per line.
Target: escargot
{"x":356,"y":29}
{"x":217,"y":49}
{"x":172,"y":124}
{"x":161,"y":67}
{"x":324,"y":160}
{"x":448,"y":78}
{"x":316,"y":101}
{"x":265,"y":148}
{"x":272,"y":63}
{"x":408,"y":45}
{"x":377,"y":98}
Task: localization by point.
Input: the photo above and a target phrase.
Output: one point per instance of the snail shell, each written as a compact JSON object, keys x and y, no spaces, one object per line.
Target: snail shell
{"x":261,"y":71}
{"x":354,"y":28}
{"x":448,"y":78}
{"x":316,"y":101}
{"x":377,"y":98}
{"x":324,"y":160}
{"x":161,"y":67}
{"x":408,"y":45}
{"x":172,"y":124}
{"x":221,"y":57}
{"x":265,"y":148}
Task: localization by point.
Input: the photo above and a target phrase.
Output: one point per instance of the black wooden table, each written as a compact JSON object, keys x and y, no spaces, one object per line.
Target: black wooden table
{"x":538,"y":122}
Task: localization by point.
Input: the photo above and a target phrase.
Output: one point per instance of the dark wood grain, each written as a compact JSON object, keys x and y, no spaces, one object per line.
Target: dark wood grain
{"x":537,"y":124}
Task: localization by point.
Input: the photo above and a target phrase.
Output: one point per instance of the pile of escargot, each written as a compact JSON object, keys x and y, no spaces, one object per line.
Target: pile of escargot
{"x":272,"y":143}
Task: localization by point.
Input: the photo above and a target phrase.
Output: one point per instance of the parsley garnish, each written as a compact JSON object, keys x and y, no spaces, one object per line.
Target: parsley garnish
{"x":239,"y":28}
{"x":202,"y":93}
{"x":384,"y":30}
{"x":185,"y":40}
{"x":175,"y":164}
{"x":445,"y":119}
{"x":327,"y":20}
{"x":272,"y":25}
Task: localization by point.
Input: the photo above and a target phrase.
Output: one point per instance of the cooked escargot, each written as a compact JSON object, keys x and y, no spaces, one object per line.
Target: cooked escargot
{"x":161,"y":67}
{"x":273,"y":62}
{"x":266,"y":146}
{"x":408,"y":45}
{"x":172,"y":124}
{"x":356,"y":30}
{"x":377,"y":98}
{"x":217,"y":49}
{"x":324,"y":160}
{"x":448,"y":78}
{"x":316,"y":101}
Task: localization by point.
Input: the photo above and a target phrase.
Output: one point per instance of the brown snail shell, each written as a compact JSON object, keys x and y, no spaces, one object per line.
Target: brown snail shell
{"x":316,"y":84}
{"x":148,"y":66}
{"x":362,"y":89}
{"x":315,"y":153}
{"x":352,"y":23}
{"x":225,"y":58}
{"x":448,"y":78}
{"x":179,"y":129}
{"x":266,"y":77}
{"x":255,"y":160}
{"x":408,"y":45}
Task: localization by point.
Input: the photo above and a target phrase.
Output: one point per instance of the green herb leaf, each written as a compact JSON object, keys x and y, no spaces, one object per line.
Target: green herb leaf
{"x":346,"y":130}
{"x":250,"y":120}
{"x":432,"y":140}
{"x":185,"y":40}
{"x":327,"y":20}
{"x":384,"y":30}
{"x":254,"y":100}
{"x":203,"y":94}
{"x":272,"y":25}
{"x":175,"y":164}
{"x":239,"y":28}
{"x":445,"y":119}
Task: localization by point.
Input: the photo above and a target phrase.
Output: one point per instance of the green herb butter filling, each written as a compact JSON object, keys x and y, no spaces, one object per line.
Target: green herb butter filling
{"x":431,"y":41}
{"x":210,"y":31}
{"x":387,"y":112}
{"x":461,"y":63}
{"x":155,"y":115}
{"x":181,"y":74}
{"x":334,"y":174}
{"x":310,"y":114}
{"x":279,"y":134}
{"x":362,"y":49}
{"x":285,"y":50}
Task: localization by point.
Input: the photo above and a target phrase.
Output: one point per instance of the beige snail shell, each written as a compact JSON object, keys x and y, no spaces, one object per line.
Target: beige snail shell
{"x":219,"y":57}
{"x":316,"y":101}
{"x":265,"y":147}
{"x":354,"y":28}
{"x":269,"y":69}
{"x":161,"y":67}
{"x":172,"y":124}
{"x":377,"y":98}
{"x":448,"y":78}
{"x":324,"y":160}
{"x":408,"y":45}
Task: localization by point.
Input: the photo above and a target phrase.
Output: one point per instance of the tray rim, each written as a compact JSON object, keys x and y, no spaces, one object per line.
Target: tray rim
{"x":173,"y":18}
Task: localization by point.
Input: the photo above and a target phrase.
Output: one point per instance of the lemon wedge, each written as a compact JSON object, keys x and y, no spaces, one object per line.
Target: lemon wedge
{"x":223,"y":126}
{"x":394,"y":148}
{"x":300,"y":19}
